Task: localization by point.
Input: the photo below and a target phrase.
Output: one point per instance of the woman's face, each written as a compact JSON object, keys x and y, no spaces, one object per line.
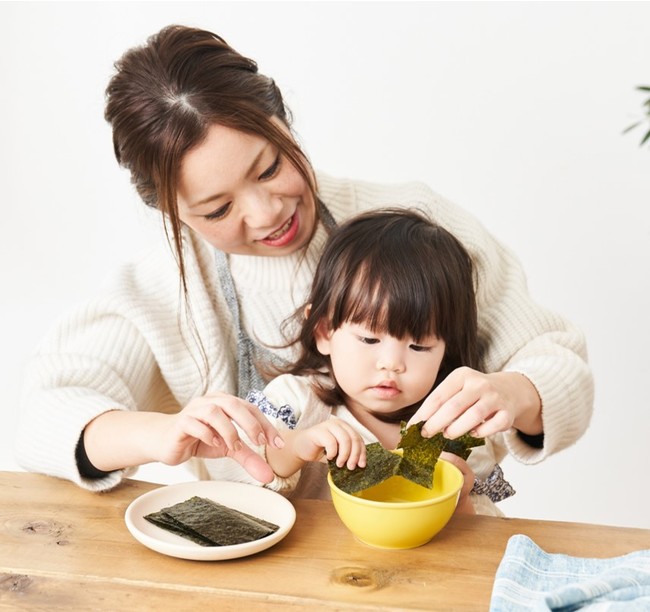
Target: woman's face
{"x":243,"y":197}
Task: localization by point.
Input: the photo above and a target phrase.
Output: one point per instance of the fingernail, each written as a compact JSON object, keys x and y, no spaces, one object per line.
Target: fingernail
{"x":261,"y":439}
{"x":279,"y":442}
{"x":237,"y":446}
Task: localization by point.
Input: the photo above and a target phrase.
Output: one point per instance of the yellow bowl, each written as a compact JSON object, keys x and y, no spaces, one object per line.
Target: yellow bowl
{"x":398,"y":513}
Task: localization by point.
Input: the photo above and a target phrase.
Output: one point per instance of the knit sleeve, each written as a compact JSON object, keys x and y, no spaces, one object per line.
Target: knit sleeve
{"x":520,"y":335}
{"x":126,"y":349}
{"x":67,"y":386}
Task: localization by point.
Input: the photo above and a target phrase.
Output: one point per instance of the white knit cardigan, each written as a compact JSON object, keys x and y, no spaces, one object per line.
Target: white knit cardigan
{"x":133,"y":347}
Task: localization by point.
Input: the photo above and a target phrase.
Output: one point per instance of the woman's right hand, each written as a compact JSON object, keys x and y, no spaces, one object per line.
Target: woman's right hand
{"x":118,"y":439}
{"x":206,"y":428}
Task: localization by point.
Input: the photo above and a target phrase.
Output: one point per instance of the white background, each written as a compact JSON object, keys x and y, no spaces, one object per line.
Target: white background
{"x":513,"y":110}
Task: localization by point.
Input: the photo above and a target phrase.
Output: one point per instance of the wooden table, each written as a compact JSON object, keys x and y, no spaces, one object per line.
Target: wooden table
{"x":64,"y":547}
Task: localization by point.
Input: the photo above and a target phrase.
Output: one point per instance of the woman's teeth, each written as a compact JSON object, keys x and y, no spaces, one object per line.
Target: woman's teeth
{"x":281,"y":231}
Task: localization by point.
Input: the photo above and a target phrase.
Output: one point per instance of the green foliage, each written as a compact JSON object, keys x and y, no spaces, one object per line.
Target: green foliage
{"x":645,"y":120}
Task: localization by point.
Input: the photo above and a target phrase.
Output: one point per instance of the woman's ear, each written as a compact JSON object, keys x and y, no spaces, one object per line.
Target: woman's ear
{"x":322,"y":336}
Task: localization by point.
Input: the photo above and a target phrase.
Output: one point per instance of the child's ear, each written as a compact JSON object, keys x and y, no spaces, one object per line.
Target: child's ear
{"x":322,"y":336}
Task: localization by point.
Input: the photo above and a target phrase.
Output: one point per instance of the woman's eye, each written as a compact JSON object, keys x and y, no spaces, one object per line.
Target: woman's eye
{"x":272,"y":170}
{"x":220,"y":213}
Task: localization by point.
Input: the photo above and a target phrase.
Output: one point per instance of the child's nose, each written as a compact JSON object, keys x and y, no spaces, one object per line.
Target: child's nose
{"x":391,"y":361}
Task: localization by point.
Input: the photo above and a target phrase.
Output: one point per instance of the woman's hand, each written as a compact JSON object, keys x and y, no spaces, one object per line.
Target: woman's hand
{"x":483,"y":404}
{"x":330,"y":439}
{"x":204,"y":428}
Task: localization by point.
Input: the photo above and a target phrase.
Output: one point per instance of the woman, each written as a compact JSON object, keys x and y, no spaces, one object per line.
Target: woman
{"x":151,"y":370}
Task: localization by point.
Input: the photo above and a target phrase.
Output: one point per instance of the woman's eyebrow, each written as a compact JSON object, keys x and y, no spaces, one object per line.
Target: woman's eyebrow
{"x":247,"y":174}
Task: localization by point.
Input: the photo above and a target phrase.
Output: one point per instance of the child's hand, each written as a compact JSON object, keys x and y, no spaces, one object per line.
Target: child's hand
{"x":483,"y":404}
{"x":332,"y":438}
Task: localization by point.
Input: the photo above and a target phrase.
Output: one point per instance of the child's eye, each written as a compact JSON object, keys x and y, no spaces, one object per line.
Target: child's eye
{"x":368,"y":340}
{"x":418,"y":348}
{"x":220,"y":213}
{"x":271,"y":171}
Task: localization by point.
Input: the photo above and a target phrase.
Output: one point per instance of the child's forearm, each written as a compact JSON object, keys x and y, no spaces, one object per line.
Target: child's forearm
{"x":285,"y":461}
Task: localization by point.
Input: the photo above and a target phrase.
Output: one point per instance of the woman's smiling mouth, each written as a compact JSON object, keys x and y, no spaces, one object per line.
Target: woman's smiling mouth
{"x":283,"y":235}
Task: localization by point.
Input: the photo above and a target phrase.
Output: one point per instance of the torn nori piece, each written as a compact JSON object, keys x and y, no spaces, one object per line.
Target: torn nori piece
{"x":209,"y":523}
{"x":419,"y":455}
{"x":463,"y":445}
{"x":417,"y":463}
{"x":380,"y":465}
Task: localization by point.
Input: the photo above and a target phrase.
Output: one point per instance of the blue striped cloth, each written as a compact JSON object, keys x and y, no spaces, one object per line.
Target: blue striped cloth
{"x":529,"y":578}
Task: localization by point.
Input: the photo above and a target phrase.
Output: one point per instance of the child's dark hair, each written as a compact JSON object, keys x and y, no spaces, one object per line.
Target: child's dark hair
{"x":396,"y":272}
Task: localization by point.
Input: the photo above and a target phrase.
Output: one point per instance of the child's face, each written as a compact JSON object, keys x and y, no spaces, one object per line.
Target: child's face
{"x":379,"y":372}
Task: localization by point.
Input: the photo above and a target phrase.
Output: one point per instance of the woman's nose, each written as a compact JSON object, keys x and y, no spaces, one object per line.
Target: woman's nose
{"x":261,"y":209}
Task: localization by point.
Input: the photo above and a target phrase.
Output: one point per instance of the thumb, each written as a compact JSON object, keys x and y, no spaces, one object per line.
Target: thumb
{"x":253,"y":463}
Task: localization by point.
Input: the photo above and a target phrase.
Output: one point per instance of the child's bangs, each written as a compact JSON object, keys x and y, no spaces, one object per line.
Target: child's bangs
{"x":388,"y":299}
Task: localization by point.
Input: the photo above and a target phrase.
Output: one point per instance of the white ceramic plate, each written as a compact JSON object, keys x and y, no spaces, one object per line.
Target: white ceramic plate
{"x":257,"y":501}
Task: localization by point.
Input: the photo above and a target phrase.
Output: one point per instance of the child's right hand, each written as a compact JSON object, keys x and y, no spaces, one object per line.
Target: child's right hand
{"x":331,"y":439}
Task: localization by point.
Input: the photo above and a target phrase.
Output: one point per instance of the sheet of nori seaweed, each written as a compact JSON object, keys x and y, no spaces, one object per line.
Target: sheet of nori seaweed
{"x":419,"y":455}
{"x":381,"y":464}
{"x":209,"y":523}
{"x":417,"y":463}
{"x":462,"y":446}
{"x":164,"y":521}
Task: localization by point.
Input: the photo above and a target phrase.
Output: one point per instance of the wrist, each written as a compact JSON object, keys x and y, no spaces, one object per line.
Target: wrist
{"x":526,"y":402}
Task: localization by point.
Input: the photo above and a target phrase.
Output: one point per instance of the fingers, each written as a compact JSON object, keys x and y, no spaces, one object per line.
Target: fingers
{"x":252,"y":463}
{"x":221,"y":412}
{"x":338,"y":441}
{"x":466,"y":401}
{"x":443,"y":405}
{"x":195,"y":428}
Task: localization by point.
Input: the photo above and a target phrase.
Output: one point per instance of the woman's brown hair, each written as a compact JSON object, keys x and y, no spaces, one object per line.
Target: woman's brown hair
{"x":396,"y":272}
{"x":166,"y":94}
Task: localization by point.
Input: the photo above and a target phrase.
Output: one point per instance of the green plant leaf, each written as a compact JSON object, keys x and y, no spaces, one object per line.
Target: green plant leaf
{"x":645,"y":138}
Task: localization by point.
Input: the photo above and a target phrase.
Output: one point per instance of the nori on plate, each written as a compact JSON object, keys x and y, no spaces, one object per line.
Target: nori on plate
{"x":208,"y":523}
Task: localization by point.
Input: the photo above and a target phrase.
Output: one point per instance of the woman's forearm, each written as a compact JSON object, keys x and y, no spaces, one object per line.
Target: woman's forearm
{"x":118,"y":439}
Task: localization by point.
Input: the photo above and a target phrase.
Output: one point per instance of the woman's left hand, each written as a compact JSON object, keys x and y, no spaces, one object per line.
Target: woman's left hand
{"x":483,"y":404}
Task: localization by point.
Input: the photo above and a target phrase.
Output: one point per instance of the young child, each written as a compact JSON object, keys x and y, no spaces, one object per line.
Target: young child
{"x":391,"y":313}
